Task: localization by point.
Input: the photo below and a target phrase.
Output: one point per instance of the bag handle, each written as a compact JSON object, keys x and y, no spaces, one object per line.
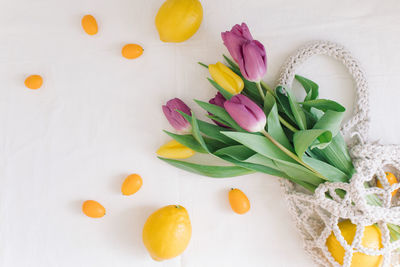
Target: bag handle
{"x":359,"y":122}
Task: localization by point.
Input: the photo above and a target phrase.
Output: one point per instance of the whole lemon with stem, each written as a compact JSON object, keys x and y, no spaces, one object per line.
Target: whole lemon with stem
{"x":371,"y":239}
{"x":178,"y":20}
{"x":167,"y":232}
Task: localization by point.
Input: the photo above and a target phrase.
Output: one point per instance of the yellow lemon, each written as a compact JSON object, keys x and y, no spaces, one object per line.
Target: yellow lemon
{"x":371,"y":239}
{"x":167,"y":232}
{"x":391,"y":179}
{"x":178,"y":20}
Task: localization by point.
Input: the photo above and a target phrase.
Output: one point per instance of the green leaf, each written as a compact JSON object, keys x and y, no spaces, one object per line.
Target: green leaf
{"x":221,"y":113}
{"x":284,"y":104}
{"x":298,"y":172}
{"x":211,"y":130}
{"x":202,"y":64}
{"x":256,"y":167}
{"x":261,"y":160}
{"x":217,"y":119}
{"x":336,"y":154}
{"x":327,"y":170}
{"x":232,"y":64}
{"x":225,"y":93}
{"x":330,"y":121}
{"x":237,"y":152}
{"x":208,"y":170}
{"x":196,"y":133}
{"x":309,"y":86}
{"x":259,"y":144}
{"x":273,"y":123}
{"x":188,"y":141}
{"x":297,"y":112}
{"x":213,"y":145}
{"x":324,"y":105}
{"x":304,"y":139}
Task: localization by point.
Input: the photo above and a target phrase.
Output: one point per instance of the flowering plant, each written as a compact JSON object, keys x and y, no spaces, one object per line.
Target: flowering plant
{"x":258,"y":129}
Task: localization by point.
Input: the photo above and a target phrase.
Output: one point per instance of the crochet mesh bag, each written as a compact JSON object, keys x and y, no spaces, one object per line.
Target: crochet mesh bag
{"x":316,"y":216}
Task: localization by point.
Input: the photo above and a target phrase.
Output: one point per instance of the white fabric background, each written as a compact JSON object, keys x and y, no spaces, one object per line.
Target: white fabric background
{"x":98,"y":118}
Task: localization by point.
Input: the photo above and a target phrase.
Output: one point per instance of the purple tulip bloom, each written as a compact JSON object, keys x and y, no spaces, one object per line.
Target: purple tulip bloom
{"x":248,"y":53}
{"x":246,"y":113}
{"x":218,"y":100}
{"x":174,"y":117}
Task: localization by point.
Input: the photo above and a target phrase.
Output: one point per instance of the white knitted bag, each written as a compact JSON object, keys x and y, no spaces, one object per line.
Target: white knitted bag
{"x":316,"y":216}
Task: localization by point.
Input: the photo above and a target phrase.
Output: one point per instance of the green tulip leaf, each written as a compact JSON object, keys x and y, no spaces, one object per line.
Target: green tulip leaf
{"x":297,"y":111}
{"x":237,"y":152}
{"x":220,"y":113}
{"x":232,"y":64}
{"x":309,"y":86}
{"x":333,"y":174}
{"x":336,"y":154}
{"x":196,"y":133}
{"x":298,"y":172}
{"x":259,"y":144}
{"x":273,"y":123}
{"x":330,"y":121}
{"x":225,"y":93}
{"x":211,"y":130}
{"x":188,"y":141}
{"x":208,"y":170}
{"x":258,"y":159}
{"x":256,"y":167}
{"x":324,"y":105}
{"x":284,"y":104}
{"x":304,"y":139}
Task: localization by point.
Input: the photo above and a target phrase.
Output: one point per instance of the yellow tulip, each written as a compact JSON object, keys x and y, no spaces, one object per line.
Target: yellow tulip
{"x":178,"y":20}
{"x":175,"y":150}
{"x":226,"y":78}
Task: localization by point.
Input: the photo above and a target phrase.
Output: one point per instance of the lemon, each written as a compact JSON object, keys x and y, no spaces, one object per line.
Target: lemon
{"x":167,"y":232}
{"x":178,"y":20}
{"x":371,"y":239}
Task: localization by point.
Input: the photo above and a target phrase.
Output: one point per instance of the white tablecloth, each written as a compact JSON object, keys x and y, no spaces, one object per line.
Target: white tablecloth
{"x":98,"y":118}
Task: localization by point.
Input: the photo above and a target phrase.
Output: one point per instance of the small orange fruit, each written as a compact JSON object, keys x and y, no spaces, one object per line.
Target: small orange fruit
{"x":132,"y":51}
{"x":131,"y":185}
{"x":93,"y":209}
{"x":34,"y":82}
{"x":391,"y":179}
{"x":238,"y":201}
{"x":89,"y":24}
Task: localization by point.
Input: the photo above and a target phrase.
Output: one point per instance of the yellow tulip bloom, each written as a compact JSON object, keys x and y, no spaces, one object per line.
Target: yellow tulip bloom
{"x":226,"y":78}
{"x":175,"y":150}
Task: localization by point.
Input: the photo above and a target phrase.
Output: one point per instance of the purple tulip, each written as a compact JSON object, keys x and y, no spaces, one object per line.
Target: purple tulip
{"x":246,"y":113}
{"x":247,"y":52}
{"x":218,"y":100}
{"x":174,"y":117}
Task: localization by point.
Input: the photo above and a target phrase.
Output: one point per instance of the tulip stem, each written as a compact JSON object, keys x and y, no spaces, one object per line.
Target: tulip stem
{"x":288,"y":125}
{"x":291,"y":154}
{"x":260,"y":90}
{"x":267,"y":88}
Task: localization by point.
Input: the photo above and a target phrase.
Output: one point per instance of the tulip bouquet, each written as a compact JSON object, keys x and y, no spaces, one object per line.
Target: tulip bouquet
{"x":257,"y":129}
